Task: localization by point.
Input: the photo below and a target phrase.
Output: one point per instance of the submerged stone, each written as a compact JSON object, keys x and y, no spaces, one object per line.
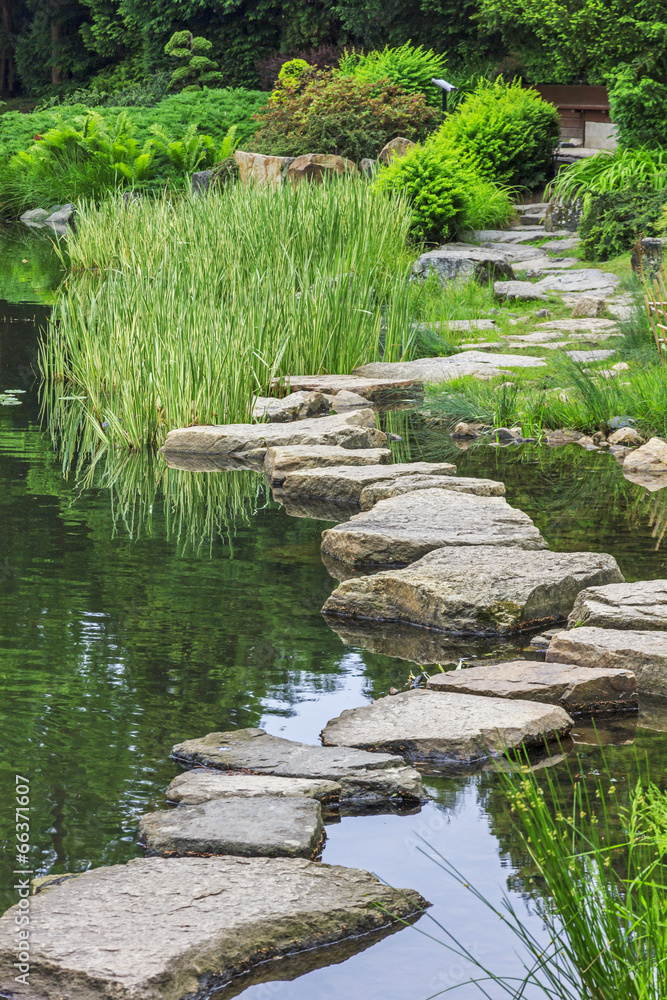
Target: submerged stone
{"x":641,"y":605}
{"x":177,"y":928}
{"x":439,"y":727}
{"x":645,"y":653}
{"x":371,"y":495}
{"x":194,"y":787}
{"x":280,"y":462}
{"x":345,"y":483}
{"x":364,"y":778}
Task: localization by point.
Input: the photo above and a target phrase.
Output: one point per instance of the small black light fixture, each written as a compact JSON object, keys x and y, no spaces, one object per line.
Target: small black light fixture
{"x":446,"y":88}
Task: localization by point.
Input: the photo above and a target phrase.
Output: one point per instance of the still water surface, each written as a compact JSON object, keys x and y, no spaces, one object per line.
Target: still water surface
{"x":139,"y":608}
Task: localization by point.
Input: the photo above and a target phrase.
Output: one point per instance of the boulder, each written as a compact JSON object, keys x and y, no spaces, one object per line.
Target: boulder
{"x":647,"y":466}
{"x":364,"y":778}
{"x":371,"y":495}
{"x":258,"y":168}
{"x":395,"y":147}
{"x":273,"y":827}
{"x":62,"y":219}
{"x":522,"y":291}
{"x":475,"y":590}
{"x":314,"y":167}
{"x":281,"y":462}
{"x":627,"y":436}
{"x":34,"y":217}
{"x":201,"y":182}
{"x":576,"y":689}
{"x":346,"y":400}
{"x":588,"y":279}
{"x":368,"y":167}
{"x":166,"y":928}
{"x":440,"y":727}
{"x":589,"y":305}
{"x":467,"y":264}
{"x":644,"y":653}
{"x":194,"y":787}
{"x":464,"y":430}
{"x":344,"y":483}
{"x":563,"y":215}
{"x":556,"y":439}
{"x":641,"y":605}
{"x":296,"y":406}
{"x":353,"y":430}
{"x":403,"y":529}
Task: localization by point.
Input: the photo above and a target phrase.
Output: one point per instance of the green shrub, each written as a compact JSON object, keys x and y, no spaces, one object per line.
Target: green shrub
{"x":196,"y":69}
{"x":410,"y":67}
{"x":638,"y":107}
{"x":338,"y":114}
{"x":293,"y":76}
{"x":614,"y":221}
{"x":622,"y":170}
{"x":508,"y":129}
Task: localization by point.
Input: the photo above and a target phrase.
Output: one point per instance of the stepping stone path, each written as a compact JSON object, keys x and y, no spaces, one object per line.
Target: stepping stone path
{"x":576,"y":689}
{"x":588,"y":356}
{"x":372,"y":389}
{"x":364,"y":778}
{"x":404,"y":528}
{"x":475,"y":590}
{"x":275,"y":827}
{"x":166,"y":928}
{"x":645,"y":653}
{"x":194,"y":787}
{"x":344,"y":484}
{"x":521,"y":291}
{"x":440,"y":727}
{"x":464,"y":262}
{"x":371,"y":495}
{"x":583,"y":280}
{"x":281,"y":462}
{"x":641,"y":605}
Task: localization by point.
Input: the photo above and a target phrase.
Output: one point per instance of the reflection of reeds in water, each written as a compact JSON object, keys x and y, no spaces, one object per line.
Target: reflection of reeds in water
{"x":654,"y":506}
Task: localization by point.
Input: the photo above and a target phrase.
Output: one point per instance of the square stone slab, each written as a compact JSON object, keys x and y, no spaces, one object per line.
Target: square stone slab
{"x":645,"y":653}
{"x":576,"y":689}
{"x":641,"y":605}
{"x":270,"y":826}
{"x":440,"y":726}
{"x":280,"y":462}
{"x":345,"y":483}
{"x":194,"y":787}
{"x":171,"y":928}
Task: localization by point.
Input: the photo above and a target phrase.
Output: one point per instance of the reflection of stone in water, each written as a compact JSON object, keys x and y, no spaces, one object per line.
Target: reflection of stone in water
{"x":315,"y":509}
{"x":534,"y":758}
{"x":339,"y":570}
{"x":215,"y":463}
{"x":652,"y":713}
{"x":614,"y":731}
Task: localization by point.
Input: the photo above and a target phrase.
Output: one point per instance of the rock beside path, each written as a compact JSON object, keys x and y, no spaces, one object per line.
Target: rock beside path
{"x":344,"y":483}
{"x":194,"y":787}
{"x":475,"y":590}
{"x":645,"y":653}
{"x":576,"y":689}
{"x":403,"y":529}
{"x":272,"y":827}
{"x":439,"y":727}
{"x":464,"y":262}
{"x":280,"y":462}
{"x":353,"y":430}
{"x":364,"y":778}
{"x":167,"y":929}
{"x":641,"y":605}
{"x":371,"y":495}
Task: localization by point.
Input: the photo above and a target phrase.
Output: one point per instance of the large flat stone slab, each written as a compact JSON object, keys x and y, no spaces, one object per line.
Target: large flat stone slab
{"x":345,"y":483}
{"x":641,"y":605}
{"x":280,"y":462}
{"x":171,"y":928}
{"x":645,"y":653}
{"x":272,"y":826}
{"x":353,"y":430}
{"x":576,"y":689}
{"x":435,"y":370}
{"x":435,"y":726}
{"x":371,"y":495}
{"x":364,"y":778}
{"x":194,"y":787}
{"x":519,"y":291}
{"x":475,"y":590}
{"x":580,"y":324}
{"x":372,"y":389}
{"x":400,"y":530}
{"x":587,"y":356}
{"x":589,"y":279}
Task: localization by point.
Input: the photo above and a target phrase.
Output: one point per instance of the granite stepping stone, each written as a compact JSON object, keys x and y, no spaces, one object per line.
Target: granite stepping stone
{"x":194,"y":787}
{"x":371,"y":495}
{"x":280,"y":462}
{"x":645,"y":653}
{"x":641,"y":605}
{"x":345,"y":483}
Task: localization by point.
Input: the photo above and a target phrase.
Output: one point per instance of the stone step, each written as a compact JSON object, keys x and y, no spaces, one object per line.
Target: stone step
{"x":371,"y":495}
{"x":372,"y":389}
{"x":194,"y":787}
{"x":645,"y":653}
{"x":280,"y":462}
{"x":344,"y":484}
{"x":435,"y":370}
{"x":641,"y":605}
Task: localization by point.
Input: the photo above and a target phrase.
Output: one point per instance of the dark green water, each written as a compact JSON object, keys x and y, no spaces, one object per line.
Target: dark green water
{"x":139,"y":608}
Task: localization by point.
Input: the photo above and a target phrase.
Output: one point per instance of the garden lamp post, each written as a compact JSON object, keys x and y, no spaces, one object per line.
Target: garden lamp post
{"x":446,"y":88}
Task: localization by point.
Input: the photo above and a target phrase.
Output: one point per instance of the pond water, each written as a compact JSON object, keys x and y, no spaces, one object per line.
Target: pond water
{"x":139,"y":608}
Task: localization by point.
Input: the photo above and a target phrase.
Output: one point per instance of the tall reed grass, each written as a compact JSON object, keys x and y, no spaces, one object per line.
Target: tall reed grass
{"x":177,"y":311}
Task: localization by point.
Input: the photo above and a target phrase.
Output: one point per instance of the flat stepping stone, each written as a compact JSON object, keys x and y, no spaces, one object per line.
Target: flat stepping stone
{"x":576,"y":689}
{"x":439,"y":727}
{"x":561,"y":245}
{"x":160,"y":928}
{"x":644,"y":653}
{"x":271,"y":827}
{"x":436,"y":370}
{"x":194,"y":787}
{"x":641,"y":605}
{"x":463,"y":262}
{"x":459,"y":325}
{"x":545,"y":265}
{"x":523,"y":234}
{"x":514,"y":251}
{"x":582,"y":280}
{"x":403,"y":529}
{"x":364,"y":778}
{"x":280,"y":462}
{"x":354,"y":430}
{"x":296,"y":406}
{"x":580,"y":324}
{"x":345,"y":483}
{"x":519,"y":291}
{"x":475,"y":590}
{"x":590,"y":355}
{"x":371,"y":495}
{"x":371,"y":389}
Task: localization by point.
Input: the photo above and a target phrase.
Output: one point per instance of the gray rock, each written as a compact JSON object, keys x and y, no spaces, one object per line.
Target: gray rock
{"x":399,"y":531}
{"x":346,"y":400}
{"x":35,"y":217}
{"x":458,"y":325}
{"x":580,"y":324}
{"x":509,"y":236}
{"x":521,"y":291}
{"x":281,"y":462}
{"x":273,"y":827}
{"x":576,"y":689}
{"x":589,"y":305}
{"x":583,"y":280}
{"x":563,"y":216}
{"x":626,"y":436}
{"x":345,"y":483}
{"x":372,"y":389}
{"x":464,"y":263}
{"x":167,"y":928}
{"x":394,"y":148}
{"x":561,"y":245}
{"x":486,"y":589}
{"x":515,"y":252}
{"x":438,"y":727}
{"x":646,"y":259}
{"x":435,"y":370}
{"x":647,"y":465}
{"x":587,"y":356}
{"x":365,"y":778}
{"x":201,"y":182}
{"x":368,"y":167}
{"x":371,"y":495}
{"x":641,"y":605}
{"x":545,"y":265}
{"x":194,"y":787}
{"x":353,"y":430}
{"x":62,"y":219}
{"x":296,"y":406}
{"x":645,"y":653}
